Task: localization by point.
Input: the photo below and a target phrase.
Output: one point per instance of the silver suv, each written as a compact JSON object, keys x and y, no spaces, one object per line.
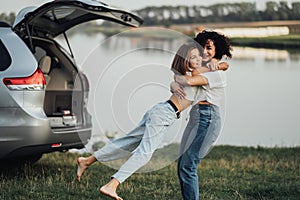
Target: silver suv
{"x":43,"y":104}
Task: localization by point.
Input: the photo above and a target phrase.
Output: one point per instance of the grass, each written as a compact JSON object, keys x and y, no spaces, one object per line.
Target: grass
{"x":285,"y":41}
{"x":226,"y":173}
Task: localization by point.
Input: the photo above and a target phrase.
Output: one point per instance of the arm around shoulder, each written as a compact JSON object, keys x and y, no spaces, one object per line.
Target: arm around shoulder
{"x":192,"y":80}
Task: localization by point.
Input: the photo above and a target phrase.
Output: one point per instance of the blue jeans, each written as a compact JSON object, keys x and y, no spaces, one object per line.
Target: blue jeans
{"x":141,"y":142}
{"x":199,"y":136}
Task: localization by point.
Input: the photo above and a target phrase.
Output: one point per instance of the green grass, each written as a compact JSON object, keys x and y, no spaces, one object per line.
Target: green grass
{"x":285,"y":41}
{"x":226,"y":173}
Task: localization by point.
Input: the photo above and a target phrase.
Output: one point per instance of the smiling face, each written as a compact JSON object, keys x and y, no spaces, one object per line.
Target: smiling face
{"x":187,"y":58}
{"x":209,"y":51}
{"x":195,"y":58}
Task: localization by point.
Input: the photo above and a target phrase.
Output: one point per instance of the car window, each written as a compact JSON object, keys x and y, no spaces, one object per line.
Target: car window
{"x":5,"y":59}
{"x":62,"y":13}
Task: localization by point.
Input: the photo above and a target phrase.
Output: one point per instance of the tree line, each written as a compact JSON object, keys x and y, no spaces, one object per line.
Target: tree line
{"x":8,"y":18}
{"x":225,"y":12}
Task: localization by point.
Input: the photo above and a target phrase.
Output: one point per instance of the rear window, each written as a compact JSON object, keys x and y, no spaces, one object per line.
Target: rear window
{"x":5,"y":59}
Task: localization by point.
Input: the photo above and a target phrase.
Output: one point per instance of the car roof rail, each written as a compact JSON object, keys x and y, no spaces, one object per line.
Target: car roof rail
{"x":4,"y":24}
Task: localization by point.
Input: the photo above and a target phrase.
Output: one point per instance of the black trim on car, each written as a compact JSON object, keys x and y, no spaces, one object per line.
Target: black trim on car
{"x":4,"y":24}
{"x":5,"y":59}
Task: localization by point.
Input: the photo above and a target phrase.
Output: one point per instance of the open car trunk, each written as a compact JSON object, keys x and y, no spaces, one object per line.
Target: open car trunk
{"x":66,"y":87}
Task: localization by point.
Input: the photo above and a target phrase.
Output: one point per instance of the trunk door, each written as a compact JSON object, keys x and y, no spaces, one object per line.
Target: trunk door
{"x":56,"y":17}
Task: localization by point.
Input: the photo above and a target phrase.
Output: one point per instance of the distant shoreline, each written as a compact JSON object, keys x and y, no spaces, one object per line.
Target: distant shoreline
{"x":275,"y":42}
{"x":291,"y":41}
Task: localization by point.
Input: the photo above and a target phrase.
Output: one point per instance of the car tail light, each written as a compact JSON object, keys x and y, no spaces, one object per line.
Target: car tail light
{"x":34,"y":82}
{"x":56,"y":145}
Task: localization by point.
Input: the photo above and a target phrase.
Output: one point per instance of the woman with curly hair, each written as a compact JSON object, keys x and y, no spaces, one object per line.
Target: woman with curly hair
{"x":204,"y":125}
{"x":142,"y":141}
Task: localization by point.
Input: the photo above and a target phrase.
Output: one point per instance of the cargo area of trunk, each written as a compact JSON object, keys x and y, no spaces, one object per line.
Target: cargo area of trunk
{"x":64,"y":88}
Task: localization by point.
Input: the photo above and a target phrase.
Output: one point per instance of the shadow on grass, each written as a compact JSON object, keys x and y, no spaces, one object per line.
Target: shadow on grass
{"x":11,"y":170}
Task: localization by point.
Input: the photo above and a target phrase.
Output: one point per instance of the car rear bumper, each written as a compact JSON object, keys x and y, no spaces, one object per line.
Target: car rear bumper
{"x":30,"y":135}
{"x":19,"y":147}
{"x":60,"y":142}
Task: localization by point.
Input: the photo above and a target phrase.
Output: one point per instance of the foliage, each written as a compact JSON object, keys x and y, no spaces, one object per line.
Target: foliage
{"x":222,"y":12}
{"x":225,"y":12}
{"x":10,"y":18}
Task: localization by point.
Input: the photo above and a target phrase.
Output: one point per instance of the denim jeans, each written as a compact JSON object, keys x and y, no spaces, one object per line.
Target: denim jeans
{"x":199,"y":136}
{"x":141,"y":142}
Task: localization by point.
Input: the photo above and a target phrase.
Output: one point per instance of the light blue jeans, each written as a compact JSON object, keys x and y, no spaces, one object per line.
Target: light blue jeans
{"x":201,"y":132}
{"x":140,"y":143}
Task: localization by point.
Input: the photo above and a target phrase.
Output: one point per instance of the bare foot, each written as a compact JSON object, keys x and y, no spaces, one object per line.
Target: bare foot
{"x":82,"y":166}
{"x":110,"y":191}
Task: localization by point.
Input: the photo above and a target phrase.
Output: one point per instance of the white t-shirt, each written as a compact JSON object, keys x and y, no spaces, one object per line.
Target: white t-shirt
{"x":214,"y":92}
{"x":190,"y":91}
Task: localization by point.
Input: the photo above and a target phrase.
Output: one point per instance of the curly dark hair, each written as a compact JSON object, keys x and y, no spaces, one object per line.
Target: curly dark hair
{"x":222,"y":43}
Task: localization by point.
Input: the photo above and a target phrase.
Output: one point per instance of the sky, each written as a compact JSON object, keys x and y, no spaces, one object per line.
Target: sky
{"x":16,"y":5}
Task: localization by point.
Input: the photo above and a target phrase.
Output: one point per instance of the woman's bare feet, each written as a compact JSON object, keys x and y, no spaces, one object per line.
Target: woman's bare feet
{"x":110,"y":189}
{"x":82,"y":166}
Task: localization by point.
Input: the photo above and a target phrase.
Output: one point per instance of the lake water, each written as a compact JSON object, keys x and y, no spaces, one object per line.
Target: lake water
{"x":128,"y":75}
